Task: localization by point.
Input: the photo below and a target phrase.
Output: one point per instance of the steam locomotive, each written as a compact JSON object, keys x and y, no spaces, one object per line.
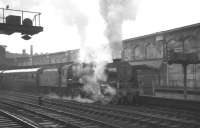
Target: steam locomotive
{"x":65,"y":80}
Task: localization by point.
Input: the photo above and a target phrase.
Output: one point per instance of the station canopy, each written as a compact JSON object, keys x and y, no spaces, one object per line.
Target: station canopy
{"x":147,"y":64}
{"x":20,"y":70}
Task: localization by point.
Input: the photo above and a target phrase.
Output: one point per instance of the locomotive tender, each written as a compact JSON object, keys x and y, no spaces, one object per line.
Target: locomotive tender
{"x":63,"y":81}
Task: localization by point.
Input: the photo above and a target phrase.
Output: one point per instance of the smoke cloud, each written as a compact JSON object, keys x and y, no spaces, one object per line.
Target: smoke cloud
{"x":72,"y":16}
{"x":21,"y":4}
{"x":114,"y":13}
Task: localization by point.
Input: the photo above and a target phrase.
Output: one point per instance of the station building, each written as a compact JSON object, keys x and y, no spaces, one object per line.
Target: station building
{"x":4,"y":61}
{"x":49,"y":58}
{"x":153,"y":50}
{"x":166,"y":80}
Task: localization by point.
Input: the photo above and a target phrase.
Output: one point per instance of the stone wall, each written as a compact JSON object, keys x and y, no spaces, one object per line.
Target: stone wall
{"x":154,"y":47}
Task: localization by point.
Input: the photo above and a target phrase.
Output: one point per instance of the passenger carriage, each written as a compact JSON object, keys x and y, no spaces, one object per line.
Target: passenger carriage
{"x":20,"y":79}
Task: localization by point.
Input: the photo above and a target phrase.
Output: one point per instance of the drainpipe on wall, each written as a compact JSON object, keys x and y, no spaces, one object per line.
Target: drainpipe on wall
{"x":185,"y":81}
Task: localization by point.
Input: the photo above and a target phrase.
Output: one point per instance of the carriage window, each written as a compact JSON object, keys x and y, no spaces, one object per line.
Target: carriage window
{"x":33,"y":75}
{"x":28,"y":75}
{"x":13,"y":76}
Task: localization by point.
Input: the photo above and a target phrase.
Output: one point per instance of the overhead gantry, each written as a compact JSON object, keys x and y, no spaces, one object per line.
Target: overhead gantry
{"x":19,"y":21}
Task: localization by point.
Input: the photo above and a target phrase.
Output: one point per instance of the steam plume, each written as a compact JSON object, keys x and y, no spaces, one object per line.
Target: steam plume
{"x":72,"y":15}
{"x":114,"y":13}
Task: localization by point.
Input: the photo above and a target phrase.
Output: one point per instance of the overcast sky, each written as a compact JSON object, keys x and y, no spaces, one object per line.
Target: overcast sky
{"x":68,"y":22}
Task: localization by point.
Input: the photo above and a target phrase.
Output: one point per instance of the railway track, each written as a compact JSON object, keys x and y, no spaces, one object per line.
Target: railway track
{"x":144,"y":116}
{"x":49,"y":117}
{"x":42,"y":120}
{"x":8,"y":120}
{"x":140,"y":117}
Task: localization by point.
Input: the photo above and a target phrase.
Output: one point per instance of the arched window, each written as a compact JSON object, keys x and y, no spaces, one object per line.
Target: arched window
{"x":191,"y":44}
{"x":153,"y":51}
{"x":139,"y":52}
{"x":150,"y":51}
{"x":128,"y":54}
{"x":175,"y":45}
{"x":146,"y":50}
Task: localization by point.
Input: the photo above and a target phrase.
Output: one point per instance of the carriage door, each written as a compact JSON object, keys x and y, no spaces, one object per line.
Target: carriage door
{"x":147,"y":80}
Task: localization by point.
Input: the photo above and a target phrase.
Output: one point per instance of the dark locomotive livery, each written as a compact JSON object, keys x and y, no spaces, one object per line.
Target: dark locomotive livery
{"x":63,"y":81}
{"x":123,"y":77}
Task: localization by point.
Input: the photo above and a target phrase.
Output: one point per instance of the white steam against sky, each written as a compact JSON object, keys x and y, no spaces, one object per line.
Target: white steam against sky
{"x":60,"y":32}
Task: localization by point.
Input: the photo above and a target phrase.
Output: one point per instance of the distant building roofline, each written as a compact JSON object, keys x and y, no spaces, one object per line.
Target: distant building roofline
{"x":60,"y":52}
{"x":164,"y":32}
